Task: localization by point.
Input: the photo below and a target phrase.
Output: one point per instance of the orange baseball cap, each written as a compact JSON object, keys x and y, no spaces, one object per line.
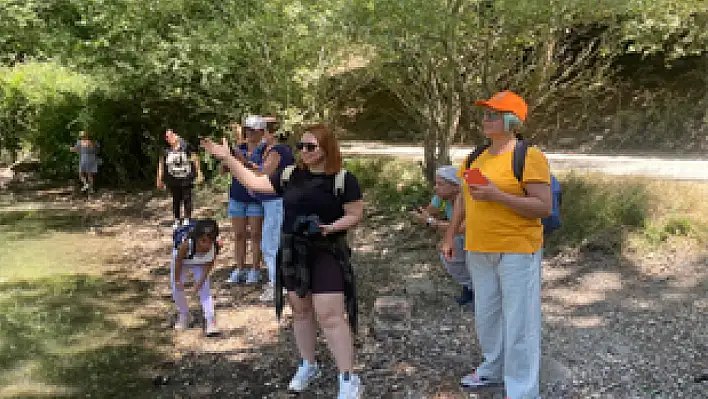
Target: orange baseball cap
{"x":506,"y":101}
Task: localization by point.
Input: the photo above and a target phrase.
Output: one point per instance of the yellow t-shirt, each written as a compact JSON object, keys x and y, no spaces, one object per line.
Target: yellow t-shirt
{"x":493,"y":227}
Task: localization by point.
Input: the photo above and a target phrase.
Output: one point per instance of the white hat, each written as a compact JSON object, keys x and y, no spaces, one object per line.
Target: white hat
{"x":254,"y":122}
{"x":449,"y":173}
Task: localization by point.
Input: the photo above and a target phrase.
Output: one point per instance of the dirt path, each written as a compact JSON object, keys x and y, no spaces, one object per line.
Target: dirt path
{"x":631,"y":326}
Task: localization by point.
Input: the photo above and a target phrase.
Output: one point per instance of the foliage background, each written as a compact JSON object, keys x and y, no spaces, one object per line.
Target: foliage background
{"x":603,"y":75}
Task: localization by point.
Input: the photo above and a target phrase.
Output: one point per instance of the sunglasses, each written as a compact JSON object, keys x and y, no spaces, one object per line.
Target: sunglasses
{"x":492,"y":115}
{"x":309,"y":146}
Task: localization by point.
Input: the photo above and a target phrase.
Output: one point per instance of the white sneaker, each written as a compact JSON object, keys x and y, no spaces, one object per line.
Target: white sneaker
{"x":253,"y":276}
{"x":182,"y":322}
{"x":350,"y":388}
{"x":236,"y":276}
{"x":176,"y":224}
{"x":185,"y":222}
{"x":268,"y":294}
{"x":211,"y":329}
{"x":306,"y":373}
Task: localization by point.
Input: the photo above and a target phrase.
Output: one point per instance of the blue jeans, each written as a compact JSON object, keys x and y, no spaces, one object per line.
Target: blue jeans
{"x":270,"y":238}
{"x":239,"y":209}
{"x":507,"y":290}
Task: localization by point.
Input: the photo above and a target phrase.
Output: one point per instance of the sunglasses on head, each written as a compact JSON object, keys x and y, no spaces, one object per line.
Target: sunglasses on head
{"x":492,"y":115}
{"x":309,"y":146}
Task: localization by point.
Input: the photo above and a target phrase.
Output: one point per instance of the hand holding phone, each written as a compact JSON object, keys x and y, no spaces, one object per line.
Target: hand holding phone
{"x":475,"y":176}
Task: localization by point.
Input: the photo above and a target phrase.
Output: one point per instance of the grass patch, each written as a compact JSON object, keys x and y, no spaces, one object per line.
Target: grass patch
{"x":45,"y":242}
{"x":58,"y":339}
{"x":31,"y":224}
{"x":61,"y":330}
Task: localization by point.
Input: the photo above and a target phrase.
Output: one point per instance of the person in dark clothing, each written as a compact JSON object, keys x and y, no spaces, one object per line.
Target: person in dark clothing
{"x":314,"y":263}
{"x":178,"y":169}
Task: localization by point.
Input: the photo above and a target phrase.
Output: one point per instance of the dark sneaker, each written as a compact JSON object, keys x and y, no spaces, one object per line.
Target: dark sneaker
{"x":466,"y":297}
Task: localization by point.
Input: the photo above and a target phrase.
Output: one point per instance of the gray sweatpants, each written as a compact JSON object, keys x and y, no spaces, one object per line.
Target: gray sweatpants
{"x":507,"y":292}
{"x":457,"y":266}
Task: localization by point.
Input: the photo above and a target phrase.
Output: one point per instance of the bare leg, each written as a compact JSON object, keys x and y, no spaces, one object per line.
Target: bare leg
{"x":255,"y":223}
{"x":329,"y":309}
{"x":239,"y":227}
{"x":84,"y":180}
{"x":89,"y":179}
{"x":304,"y":326}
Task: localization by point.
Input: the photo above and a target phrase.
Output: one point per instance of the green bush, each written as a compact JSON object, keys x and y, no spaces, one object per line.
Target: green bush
{"x":675,"y":226}
{"x":594,"y":208}
{"x":390,"y":185}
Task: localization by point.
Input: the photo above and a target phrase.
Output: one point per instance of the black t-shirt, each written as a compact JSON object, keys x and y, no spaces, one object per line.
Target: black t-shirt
{"x":307,"y":193}
{"x":178,"y":166}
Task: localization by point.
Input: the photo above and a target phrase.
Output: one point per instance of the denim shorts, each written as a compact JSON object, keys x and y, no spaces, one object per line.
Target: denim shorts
{"x":238,"y":209}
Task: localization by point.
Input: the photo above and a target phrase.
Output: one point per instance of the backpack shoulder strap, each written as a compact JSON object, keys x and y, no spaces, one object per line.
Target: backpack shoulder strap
{"x":339,"y":179}
{"x":518,"y":160}
{"x":475,"y":154}
{"x":285,"y":174}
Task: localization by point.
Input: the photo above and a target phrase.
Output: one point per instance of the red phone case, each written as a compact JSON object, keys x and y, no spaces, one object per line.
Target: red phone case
{"x":474,"y":176}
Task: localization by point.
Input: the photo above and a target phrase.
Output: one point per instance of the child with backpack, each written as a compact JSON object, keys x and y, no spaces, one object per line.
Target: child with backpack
{"x":195,"y":250}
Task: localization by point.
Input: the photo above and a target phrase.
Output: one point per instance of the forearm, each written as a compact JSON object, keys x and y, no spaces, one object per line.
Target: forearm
{"x":178,"y":270}
{"x":197,"y":166}
{"x":160,"y":167}
{"x":207,"y":271}
{"x":458,"y":214}
{"x":208,"y":268}
{"x":528,"y":207}
{"x":440,"y":225}
{"x":246,"y":177}
{"x":346,"y":222}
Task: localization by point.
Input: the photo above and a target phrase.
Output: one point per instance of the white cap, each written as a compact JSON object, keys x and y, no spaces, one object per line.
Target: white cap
{"x":254,"y":122}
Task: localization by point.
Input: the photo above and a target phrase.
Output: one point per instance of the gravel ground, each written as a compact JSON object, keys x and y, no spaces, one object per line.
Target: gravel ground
{"x":629,"y":326}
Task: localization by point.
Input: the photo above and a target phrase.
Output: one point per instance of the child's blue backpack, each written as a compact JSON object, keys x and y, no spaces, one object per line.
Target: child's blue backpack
{"x":550,"y":223}
{"x":182,"y":232}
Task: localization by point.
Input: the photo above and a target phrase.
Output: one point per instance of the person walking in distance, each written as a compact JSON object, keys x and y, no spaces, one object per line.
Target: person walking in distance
{"x":178,"y":169}
{"x":321,"y":202}
{"x":87,"y":149}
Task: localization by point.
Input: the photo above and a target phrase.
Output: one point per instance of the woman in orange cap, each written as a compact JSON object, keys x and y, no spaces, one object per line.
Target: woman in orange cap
{"x":504,"y":240}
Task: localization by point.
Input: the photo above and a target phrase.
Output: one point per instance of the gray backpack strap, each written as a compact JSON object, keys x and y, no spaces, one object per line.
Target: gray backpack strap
{"x":339,"y":182}
{"x":285,"y":174}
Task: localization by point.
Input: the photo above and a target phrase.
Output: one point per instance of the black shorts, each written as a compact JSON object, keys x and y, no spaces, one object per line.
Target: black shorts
{"x":325,"y":274}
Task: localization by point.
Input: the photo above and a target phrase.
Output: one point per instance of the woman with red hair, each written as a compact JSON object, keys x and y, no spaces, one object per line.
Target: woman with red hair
{"x":314,"y":256}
